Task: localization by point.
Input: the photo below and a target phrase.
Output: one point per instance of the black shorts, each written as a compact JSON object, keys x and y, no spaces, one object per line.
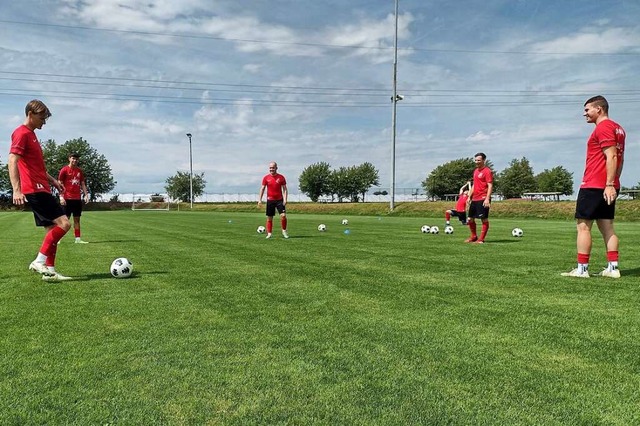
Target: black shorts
{"x":477,"y":210}
{"x":45,"y":207}
{"x":273,"y":205}
{"x":591,"y":205}
{"x":462,"y":216}
{"x":73,"y":207}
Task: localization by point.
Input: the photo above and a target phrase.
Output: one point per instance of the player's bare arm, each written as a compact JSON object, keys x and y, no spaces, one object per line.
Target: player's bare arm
{"x":487,"y":200}
{"x":86,"y":192}
{"x":55,"y":182}
{"x":260,"y":195}
{"x":611,"y":155}
{"x":285,"y":194}
{"x":14,"y":177}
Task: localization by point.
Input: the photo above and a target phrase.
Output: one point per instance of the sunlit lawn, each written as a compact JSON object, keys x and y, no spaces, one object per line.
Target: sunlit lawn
{"x":383,"y":325}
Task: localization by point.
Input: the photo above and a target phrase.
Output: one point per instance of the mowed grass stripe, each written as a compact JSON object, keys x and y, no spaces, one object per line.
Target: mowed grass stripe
{"x":381,"y":326}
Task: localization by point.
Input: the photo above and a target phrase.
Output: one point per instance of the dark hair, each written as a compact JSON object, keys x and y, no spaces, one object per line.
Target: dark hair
{"x":599,"y":101}
{"x":74,"y":155}
{"x":480,"y":154}
{"x":36,"y":106}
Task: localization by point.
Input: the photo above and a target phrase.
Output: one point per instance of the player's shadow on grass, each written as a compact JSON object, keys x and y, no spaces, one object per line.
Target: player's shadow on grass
{"x":635,"y":272}
{"x":113,"y":241}
{"x":105,"y":275}
{"x":505,"y":241}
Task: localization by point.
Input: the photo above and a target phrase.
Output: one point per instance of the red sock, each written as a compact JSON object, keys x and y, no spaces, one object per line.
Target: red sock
{"x":474,"y":229}
{"x":50,"y":239}
{"x":76,"y":232}
{"x":485,"y":229}
{"x":612,"y":256}
{"x":447,"y":216}
{"x":269,"y":226}
{"x":583,"y":257}
{"x":51,"y":257}
{"x":283,"y":222}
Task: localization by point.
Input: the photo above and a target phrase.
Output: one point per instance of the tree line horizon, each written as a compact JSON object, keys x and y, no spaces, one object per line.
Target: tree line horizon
{"x":317,"y":181}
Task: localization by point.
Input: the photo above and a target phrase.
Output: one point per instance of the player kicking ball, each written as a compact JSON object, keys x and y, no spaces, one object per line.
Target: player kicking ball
{"x":31,"y":183}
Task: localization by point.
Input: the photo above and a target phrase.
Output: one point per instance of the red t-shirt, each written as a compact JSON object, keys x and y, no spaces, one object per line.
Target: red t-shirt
{"x":71,"y":178}
{"x":461,"y":205}
{"x":33,"y":173}
{"x":481,"y":180}
{"x":607,"y":133}
{"x":274,"y":186}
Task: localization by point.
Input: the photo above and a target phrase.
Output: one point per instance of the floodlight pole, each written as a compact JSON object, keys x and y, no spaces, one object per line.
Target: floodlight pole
{"x":394,"y":99}
{"x":190,"y":172}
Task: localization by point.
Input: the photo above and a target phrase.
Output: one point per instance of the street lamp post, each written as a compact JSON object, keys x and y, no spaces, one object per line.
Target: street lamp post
{"x":394,"y":99}
{"x":190,"y":172}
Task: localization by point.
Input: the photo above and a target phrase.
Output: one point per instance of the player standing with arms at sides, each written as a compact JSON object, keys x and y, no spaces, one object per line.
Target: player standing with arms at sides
{"x":480,"y":198}
{"x":599,"y":188}
{"x":72,"y":179}
{"x":276,"y":186}
{"x":30,"y":182}
{"x":461,"y":206}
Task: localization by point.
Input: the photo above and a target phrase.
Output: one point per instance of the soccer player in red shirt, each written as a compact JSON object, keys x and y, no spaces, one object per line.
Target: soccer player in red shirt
{"x":72,"y":179}
{"x":480,"y":198}
{"x":599,"y":188}
{"x":461,"y":206}
{"x":276,"y":186}
{"x":30,"y":182}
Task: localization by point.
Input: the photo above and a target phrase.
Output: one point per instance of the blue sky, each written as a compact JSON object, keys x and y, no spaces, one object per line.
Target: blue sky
{"x":301,"y":81}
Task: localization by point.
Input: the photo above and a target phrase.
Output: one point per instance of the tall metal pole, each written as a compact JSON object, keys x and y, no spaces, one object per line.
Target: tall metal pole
{"x":190,"y":172}
{"x":394,"y":100}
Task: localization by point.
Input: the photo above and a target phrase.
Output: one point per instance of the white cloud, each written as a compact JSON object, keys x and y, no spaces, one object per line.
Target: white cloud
{"x":252,"y":68}
{"x":609,"y":40}
{"x":481,"y":136}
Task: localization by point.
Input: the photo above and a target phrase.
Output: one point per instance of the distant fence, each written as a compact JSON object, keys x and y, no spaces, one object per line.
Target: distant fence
{"x":401,"y":195}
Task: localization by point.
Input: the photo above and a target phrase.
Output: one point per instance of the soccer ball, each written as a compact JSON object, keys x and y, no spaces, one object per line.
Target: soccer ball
{"x":322,"y":227}
{"x":434,"y":230}
{"x":261,"y":230}
{"x":448,"y":229}
{"x":517,"y":232}
{"x":425,"y":229}
{"x":345,"y":221}
{"x":121,"y":268}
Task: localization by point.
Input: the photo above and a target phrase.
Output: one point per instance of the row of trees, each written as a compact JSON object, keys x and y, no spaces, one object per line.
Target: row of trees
{"x":98,"y":171}
{"x":346,"y":183}
{"x":515,"y":180}
{"x":94,"y":165}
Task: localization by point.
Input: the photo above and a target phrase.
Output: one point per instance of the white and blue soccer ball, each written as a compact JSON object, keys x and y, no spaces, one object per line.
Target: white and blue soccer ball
{"x":322,"y":227}
{"x":121,"y":268}
{"x":425,"y":229}
{"x":517,"y":232}
{"x":345,"y":221}
{"x":448,"y":229}
{"x":434,"y":230}
{"x":261,"y":230}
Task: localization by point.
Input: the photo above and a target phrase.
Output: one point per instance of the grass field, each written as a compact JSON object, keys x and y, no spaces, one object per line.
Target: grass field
{"x":382,"y":326}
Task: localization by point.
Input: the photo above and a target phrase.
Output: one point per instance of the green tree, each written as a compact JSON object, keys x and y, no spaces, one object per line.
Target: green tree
{"x":178,"y":186}
{"x":5,"y":183}
{"x":95,"y":166}
{"x":339,"y":184}
{"x":557,"y":179}
{"x":366,"y":177}
{"x":314,"y":180}
{"x":515,"y":179}
{"x":449,"y":177}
